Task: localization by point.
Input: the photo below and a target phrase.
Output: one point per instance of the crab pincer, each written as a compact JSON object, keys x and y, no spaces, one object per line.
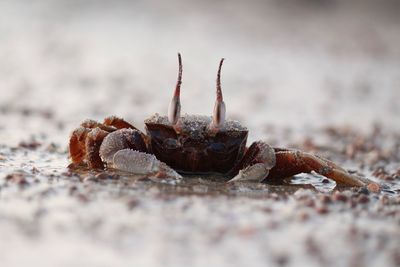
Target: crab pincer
{"x":125,"y":150}
{"x":255,"y":165}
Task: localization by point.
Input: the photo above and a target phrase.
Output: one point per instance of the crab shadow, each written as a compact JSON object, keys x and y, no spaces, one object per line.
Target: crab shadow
{"x":210,"y":184}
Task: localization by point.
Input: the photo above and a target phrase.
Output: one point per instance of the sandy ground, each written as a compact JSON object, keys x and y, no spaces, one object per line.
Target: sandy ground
{"x":322,"y":76}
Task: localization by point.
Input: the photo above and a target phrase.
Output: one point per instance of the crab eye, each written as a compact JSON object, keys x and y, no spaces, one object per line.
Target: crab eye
{"x":170,"y":144}
{"x":217,"y":148}
{"x":219,"y":107}
{"x":174,"y":109}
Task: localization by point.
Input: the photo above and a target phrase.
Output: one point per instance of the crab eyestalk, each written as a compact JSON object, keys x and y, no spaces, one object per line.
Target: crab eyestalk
{"x":174,"y":109}
{"x":219,"y":107}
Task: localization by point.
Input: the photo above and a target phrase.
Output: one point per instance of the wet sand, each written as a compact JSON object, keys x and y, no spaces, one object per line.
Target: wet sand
{"x":314,"y":76}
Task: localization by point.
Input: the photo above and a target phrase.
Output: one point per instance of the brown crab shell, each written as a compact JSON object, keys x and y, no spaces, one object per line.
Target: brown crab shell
{"x":196,"y":151}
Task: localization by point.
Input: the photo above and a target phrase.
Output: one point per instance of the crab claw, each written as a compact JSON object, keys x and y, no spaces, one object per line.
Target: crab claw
{"x":257,"y":162}
{"x":254,"y":173}
{"x":174,"y":109}
{"x":219,"y":107}
{"x":121,"y":139}
{"x":137,"y":162}
{"x":125,"y":149}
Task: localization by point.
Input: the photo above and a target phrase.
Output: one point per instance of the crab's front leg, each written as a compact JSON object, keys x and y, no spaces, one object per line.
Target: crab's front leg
{"x":263,"y":162}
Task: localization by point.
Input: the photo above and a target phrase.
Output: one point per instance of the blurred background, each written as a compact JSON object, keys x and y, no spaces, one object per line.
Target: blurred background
{"x":298,"y":64}
{"x":292,"y":67}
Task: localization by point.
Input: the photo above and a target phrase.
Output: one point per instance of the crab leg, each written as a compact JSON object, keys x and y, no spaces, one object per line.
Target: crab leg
{"x":262,"y":162}
{"x":92,"y":147}
{"x":289,"y":163}
{"x":77,"y":142}
{"x":118,"y":123}
{"x":77,"y":148}
{"x":85,"y":141}
{"x":91,"y":124}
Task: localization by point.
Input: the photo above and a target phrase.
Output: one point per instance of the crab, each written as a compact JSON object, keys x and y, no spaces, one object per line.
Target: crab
{"x":192,"y":144}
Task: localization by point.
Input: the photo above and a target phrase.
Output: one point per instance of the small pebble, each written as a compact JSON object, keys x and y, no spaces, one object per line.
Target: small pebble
{"x":34,"y":170}
{"x":363,"y":190}
{"x":322,"y":209}
{"x":30,"y":144}
{"x":282,"y":260}
{"x":384,"y":200}
{"x":132,"y":203}
{"x":274,"y":196}
{"x":17,"y":178}
{"x":353,"y":203}
{"x":272,"y":225}
{"x":103,"y":176}
{"x":325,"y":199}
{"x":91,"y":179}
{"x":309,"y":202}
{"x":247,"y":232}
{"x":67,"y":173}
{"x":374,"y":188}
{"x":396,"y":257}
{"x":363,"y":199}
{"x":303,"y":216}
{"x":340,"y":197}
{"x":52,"y":148}
{"x":72,"y":190}
{"x":267,"y":210}
{"x":82,"y":198}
